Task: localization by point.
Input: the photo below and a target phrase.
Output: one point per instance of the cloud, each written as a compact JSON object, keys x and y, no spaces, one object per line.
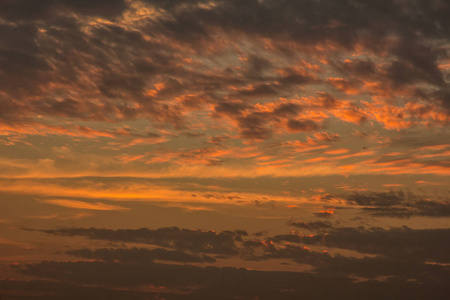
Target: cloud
{"x":45,"y":289}
{"x":83,"y":205}
{"x":302,"y":125}
{"x":324,"y":214}
{"x":377,"y":199}
{"x":179,"y":65}
{"x":267,"y":88}
{"x":171,"y":237}
{"x":231,"y":282}
{"x":399,"y":204}
{"x":373,"y":267}
{"x":402,"y":253}
{"x":30,"y":10}
{"x":312,"y":226}
{"x":140,"y":255}
{"x":400,"y":243}
{"x":326,"y":264}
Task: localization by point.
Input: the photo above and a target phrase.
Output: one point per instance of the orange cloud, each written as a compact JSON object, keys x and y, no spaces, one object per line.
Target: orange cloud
{"x":345,"y":86}
{"x":337,"y":151}
{"x":428,"y":182}
{"x":84,"y":205}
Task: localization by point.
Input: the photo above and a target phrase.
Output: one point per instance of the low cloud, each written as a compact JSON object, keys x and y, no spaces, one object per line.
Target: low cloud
{"x":399,"y":204}
{"x":312,"y":226}
{"x":401,"y":243}
{"x":171,"y":237}
{"x":204,"y":283}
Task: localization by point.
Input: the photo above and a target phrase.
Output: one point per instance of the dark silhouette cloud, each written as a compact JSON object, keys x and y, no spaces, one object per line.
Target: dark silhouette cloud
{"x":313,"y":226}
{"x":378,"y":199}
{"x":228,"y":283}
{"x":171,"y":237}
{"x":401,"y":251}
{"x":52,"y":290}
{"x":399,"y":204}
{"x":19,"y":10}
{"x":400,"y":243}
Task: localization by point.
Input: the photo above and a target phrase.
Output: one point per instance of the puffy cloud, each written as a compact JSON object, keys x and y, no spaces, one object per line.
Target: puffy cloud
{"x":123,"y":70}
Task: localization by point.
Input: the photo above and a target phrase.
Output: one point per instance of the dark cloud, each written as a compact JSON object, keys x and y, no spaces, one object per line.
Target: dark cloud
{"x":50,"y":42}
{"x":324,"y":214}
{"x":254,"y":126}
{"x":51,"y":290}
{"x":229,"y":283}
{"x":313,"y":226}
{"x":286,"y":109}
{"x":29,"y":10}
{"x":419,"y":208}
{"x":259,"y":125}
{"x":373,"y":267}
{"x":419,"y":60}
{"x":230,"y":107}
{"x":378,"y":199}
{"x":367,"y":267}
{"x":357,"y":68}
{"x":171,"y":237}
{"x":315,"y":20}
{"x":61,"y":53}
{"x":293,"y":77}
{"x":400,"y":243}
{"x":442,"y":97}
{"x":403,"y":254}
{"x":257,"y":65}
{"x":411,"y":25}
{"x":399,"y":204}
{"x":260,"y":90}
{"x":302,"y":125}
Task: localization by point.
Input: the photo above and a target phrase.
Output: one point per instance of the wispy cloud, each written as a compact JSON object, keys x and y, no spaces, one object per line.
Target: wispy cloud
{"x":83,"y":205}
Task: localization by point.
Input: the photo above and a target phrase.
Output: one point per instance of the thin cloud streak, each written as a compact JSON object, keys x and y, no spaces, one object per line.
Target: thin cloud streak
{"x":83,"y":205}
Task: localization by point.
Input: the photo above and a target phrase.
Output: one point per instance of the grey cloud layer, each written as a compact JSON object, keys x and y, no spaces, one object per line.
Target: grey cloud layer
{"x":399,"y":243}
{"x":402,"y":257}
{"x":172,"y":237}
{"x":410,"y":248}
{"x":228,"y":283}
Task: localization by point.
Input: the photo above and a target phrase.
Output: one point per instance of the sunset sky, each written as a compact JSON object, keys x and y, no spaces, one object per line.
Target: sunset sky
{"x":224,"y":149}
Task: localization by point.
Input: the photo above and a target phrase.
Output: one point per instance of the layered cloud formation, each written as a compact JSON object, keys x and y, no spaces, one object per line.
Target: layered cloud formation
{"x":199,"y":82}
{"x":319,"y":128}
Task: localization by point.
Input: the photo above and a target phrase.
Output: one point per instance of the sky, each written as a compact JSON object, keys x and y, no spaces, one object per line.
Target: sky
{"x":224,"y":149}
